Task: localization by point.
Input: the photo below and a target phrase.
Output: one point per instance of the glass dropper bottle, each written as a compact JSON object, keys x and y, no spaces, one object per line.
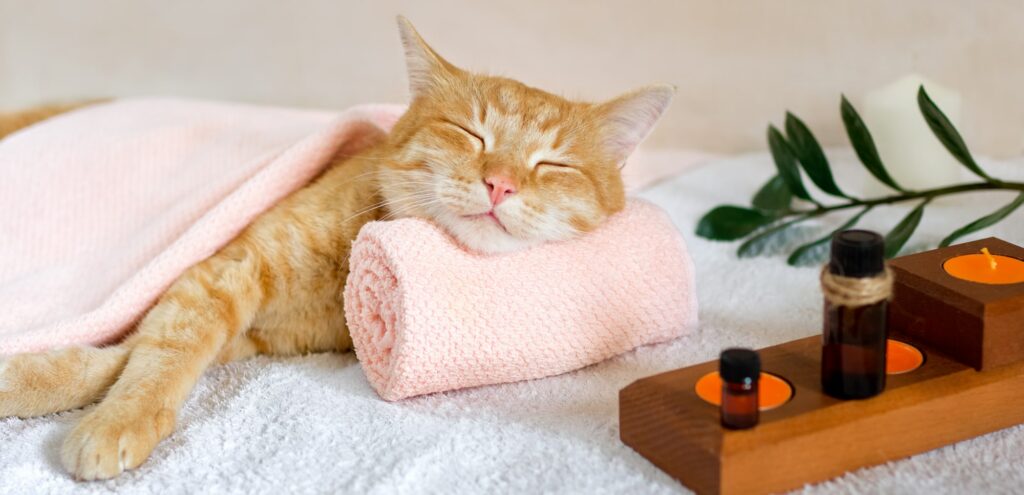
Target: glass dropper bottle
{"x":740,"y":370}
{"x":857,"y":288}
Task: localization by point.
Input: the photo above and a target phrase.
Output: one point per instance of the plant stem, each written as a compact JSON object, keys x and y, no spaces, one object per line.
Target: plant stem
{"x":928,"y":194}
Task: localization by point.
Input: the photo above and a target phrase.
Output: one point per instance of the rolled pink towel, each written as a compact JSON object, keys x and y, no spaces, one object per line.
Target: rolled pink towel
{"x":427,"y":316}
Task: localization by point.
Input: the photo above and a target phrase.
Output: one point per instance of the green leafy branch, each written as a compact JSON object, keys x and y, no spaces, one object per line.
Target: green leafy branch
{"x":772,"y":208}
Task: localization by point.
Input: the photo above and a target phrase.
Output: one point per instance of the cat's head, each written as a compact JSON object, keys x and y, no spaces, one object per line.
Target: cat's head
{"x":503,"y":166}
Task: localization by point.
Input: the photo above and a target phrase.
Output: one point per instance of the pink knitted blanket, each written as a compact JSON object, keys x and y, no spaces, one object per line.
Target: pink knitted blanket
{"x":103,"y":208}
{"x":427,"y":316}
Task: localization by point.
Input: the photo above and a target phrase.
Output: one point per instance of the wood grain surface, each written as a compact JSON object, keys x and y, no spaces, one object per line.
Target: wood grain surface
{"x":814,"y":437}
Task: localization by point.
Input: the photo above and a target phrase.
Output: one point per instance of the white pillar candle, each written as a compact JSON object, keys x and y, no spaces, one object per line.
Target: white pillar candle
{"x":913,"y":155}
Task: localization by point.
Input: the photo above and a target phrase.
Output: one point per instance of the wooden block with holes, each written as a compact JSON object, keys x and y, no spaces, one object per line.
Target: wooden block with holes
{"x":978,"y":324}
{"x":813,"y":437}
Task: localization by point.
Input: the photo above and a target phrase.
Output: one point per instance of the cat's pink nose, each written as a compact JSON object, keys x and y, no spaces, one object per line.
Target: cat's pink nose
{"x":499,"y":187}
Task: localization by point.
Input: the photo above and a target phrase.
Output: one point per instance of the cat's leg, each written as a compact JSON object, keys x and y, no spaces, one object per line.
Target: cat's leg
{"x":35,"y":384}
{"x":241,"y":347}
{"x":42,"y":383}
{"x":203,"y":311}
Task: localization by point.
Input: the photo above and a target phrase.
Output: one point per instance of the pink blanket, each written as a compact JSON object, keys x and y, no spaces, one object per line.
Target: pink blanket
{"x":427,"y":316}
{"x":103,"y":208}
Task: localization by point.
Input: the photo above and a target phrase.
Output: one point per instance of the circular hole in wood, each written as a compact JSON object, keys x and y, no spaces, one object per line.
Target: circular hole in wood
{"x":772,"y":391}
{"x":901,"y":357}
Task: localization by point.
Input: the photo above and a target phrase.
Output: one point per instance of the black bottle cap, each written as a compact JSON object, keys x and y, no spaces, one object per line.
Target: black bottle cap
{"x":857,"y":253}
{"x":737,"y":365}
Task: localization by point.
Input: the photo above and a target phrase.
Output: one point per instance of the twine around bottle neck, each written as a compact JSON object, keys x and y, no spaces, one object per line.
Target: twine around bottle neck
{"x":854,"y":292}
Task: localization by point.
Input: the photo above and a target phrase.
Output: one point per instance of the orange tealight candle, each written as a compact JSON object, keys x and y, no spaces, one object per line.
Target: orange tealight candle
{"x":986,"y":268}
{"x":901,"y":357}
{"x":772,"y":390}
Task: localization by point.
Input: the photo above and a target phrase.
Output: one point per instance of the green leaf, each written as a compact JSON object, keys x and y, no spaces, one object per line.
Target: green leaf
{"x":728,"y":223}
{"x":785,"y":162}
{"x":864,"y":145}
{"x":803,"y":255}
{"x":947,"y":134}
{"x":985,"y":221}
{"x":773,"y":196}
{"x":899,"y":234}
{"x":754,"y":245}
{"x":811,"y":156}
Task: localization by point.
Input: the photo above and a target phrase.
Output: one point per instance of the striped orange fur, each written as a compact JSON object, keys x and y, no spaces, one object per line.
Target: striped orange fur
{"x":277,"y":288}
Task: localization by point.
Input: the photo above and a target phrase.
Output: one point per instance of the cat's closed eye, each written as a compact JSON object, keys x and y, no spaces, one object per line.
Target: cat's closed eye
{"x":483,"y":144}
{"x":557,"y":165}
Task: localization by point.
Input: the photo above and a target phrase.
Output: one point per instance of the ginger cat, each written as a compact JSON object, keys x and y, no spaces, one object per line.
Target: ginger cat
{"x":500,"y":165}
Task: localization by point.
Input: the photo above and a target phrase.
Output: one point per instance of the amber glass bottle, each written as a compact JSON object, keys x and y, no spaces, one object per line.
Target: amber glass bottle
{"x":740,"y":370}
{"x":853,"y":351}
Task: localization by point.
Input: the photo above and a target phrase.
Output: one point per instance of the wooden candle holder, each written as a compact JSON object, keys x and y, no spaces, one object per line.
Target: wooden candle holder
{"x":813,"y":437}
{"x":977,"y":324}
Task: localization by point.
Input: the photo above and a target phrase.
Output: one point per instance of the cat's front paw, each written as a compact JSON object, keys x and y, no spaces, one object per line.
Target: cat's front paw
{"x":34,"y":384}
{"x":114,"y":438}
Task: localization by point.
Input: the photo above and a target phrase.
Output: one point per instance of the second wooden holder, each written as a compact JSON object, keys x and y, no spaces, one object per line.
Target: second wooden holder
{"x":813,"y":437}
{"x":979,"y":325}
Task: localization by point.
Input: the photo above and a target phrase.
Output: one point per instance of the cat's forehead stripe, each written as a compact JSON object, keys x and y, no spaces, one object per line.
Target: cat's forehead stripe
{"x":534,"y":128}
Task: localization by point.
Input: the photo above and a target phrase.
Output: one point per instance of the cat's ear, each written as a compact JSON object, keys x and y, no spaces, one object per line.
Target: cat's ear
{"x":426,"y":68}
{"x":628,"y":119}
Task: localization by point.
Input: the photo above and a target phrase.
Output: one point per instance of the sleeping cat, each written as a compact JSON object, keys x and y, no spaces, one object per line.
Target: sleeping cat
{"x":500,"y":165}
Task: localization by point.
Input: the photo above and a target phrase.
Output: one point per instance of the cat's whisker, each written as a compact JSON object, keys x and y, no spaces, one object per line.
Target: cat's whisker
{"x":406,"y":208}
{"x":363,"y":211}
{"x":406,"y":182}
{"x":412,"y":183}
{"x":386,"y":203}
{"x":394,"y":200}
{"x":416,"y":201}
{"x":369,"y":210}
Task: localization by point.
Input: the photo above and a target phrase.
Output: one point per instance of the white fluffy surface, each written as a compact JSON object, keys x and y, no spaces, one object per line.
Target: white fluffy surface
{"x":313,"y":425}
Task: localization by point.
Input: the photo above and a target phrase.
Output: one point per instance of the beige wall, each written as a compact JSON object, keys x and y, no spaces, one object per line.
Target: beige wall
{"x":737,"y":64}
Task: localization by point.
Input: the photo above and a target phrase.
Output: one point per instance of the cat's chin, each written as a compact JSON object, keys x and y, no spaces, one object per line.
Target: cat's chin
{"x":485,"y":235}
